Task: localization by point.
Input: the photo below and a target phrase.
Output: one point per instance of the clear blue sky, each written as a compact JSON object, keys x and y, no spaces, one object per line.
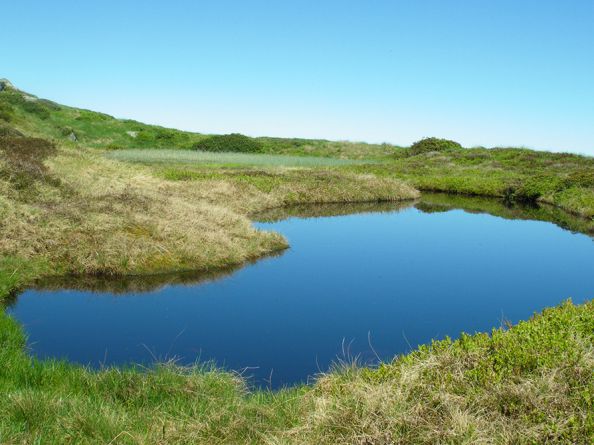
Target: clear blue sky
{"x":504,"y":72}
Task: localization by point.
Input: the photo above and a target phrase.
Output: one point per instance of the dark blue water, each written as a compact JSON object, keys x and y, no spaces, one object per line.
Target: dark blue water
{"x":355,"y":285}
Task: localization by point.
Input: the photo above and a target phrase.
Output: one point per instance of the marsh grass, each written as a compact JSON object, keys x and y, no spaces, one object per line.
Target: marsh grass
{"x":225,"y":159}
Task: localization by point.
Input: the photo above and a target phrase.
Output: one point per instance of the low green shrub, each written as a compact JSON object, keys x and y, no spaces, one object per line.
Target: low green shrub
{"x":234,"y":142}
{"x":433,"y":144}
{"x":37,"y":109}
{"x":6,"y":112}
{"x":581,"y":178}
{"x":30,"y":105}
{"x":92,"y":116}
{"x":539,"y":185}
{"x":66,"y":131}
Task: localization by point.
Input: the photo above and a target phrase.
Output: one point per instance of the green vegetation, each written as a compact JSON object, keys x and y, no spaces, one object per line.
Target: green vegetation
{"x":46,"y":119}
{"x":86,"y":194}
{"x":515,"y":175}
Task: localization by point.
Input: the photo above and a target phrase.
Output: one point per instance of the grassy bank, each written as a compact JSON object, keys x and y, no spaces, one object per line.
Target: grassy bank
{"x":86,"y":214}
{"x":530,"y":384}
{"x":516,"y":175}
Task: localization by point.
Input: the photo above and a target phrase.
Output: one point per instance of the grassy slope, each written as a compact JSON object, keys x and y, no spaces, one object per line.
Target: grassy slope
{"x":530,"y":385}
{"x":46,"y":119}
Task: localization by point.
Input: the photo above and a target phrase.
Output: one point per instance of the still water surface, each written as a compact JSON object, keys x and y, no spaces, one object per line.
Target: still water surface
{"x":360,"y":285}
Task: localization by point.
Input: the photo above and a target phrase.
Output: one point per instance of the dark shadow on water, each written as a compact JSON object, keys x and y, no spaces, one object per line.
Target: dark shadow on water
{"x":327,"y":210}
{"x":442,"y":202}
{"x":439,"y":202}
{"x":133,"y":284}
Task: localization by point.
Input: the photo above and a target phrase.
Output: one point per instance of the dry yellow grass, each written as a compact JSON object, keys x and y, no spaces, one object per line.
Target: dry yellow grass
{"x":109,"y":217}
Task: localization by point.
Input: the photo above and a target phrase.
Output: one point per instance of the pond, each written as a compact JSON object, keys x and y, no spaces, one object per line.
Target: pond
{"x":359,"y":283}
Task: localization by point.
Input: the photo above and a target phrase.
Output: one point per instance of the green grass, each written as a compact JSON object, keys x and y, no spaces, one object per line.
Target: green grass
{"x":171,"y":157}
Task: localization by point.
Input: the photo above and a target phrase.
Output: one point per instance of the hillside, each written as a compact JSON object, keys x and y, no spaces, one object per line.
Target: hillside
{"x":70,"y":126}
{"x":514,"y":174}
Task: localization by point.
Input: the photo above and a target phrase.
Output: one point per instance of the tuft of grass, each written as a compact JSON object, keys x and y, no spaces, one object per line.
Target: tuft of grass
{"x":530,"y":384}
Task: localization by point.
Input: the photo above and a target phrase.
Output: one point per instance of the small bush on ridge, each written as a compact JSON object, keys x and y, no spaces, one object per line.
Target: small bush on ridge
{"x":234,"y":142}
{"x":433,"y":144}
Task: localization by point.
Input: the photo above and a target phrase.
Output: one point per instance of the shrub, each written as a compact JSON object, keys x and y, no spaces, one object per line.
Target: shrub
{"x":6,"y":111}
{"x":30,"y":104}
{"x":229,"y":143}
{"x":33,"y":107}
{"x":433,"y":144}
{"x":581,"y":178}
{"x":92,"y":116}
{"x":66,"y":131}
{"x":165,"y":135}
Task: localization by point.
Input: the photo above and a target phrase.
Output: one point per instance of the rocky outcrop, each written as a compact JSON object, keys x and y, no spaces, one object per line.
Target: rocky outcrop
{"x":5,"y":84}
